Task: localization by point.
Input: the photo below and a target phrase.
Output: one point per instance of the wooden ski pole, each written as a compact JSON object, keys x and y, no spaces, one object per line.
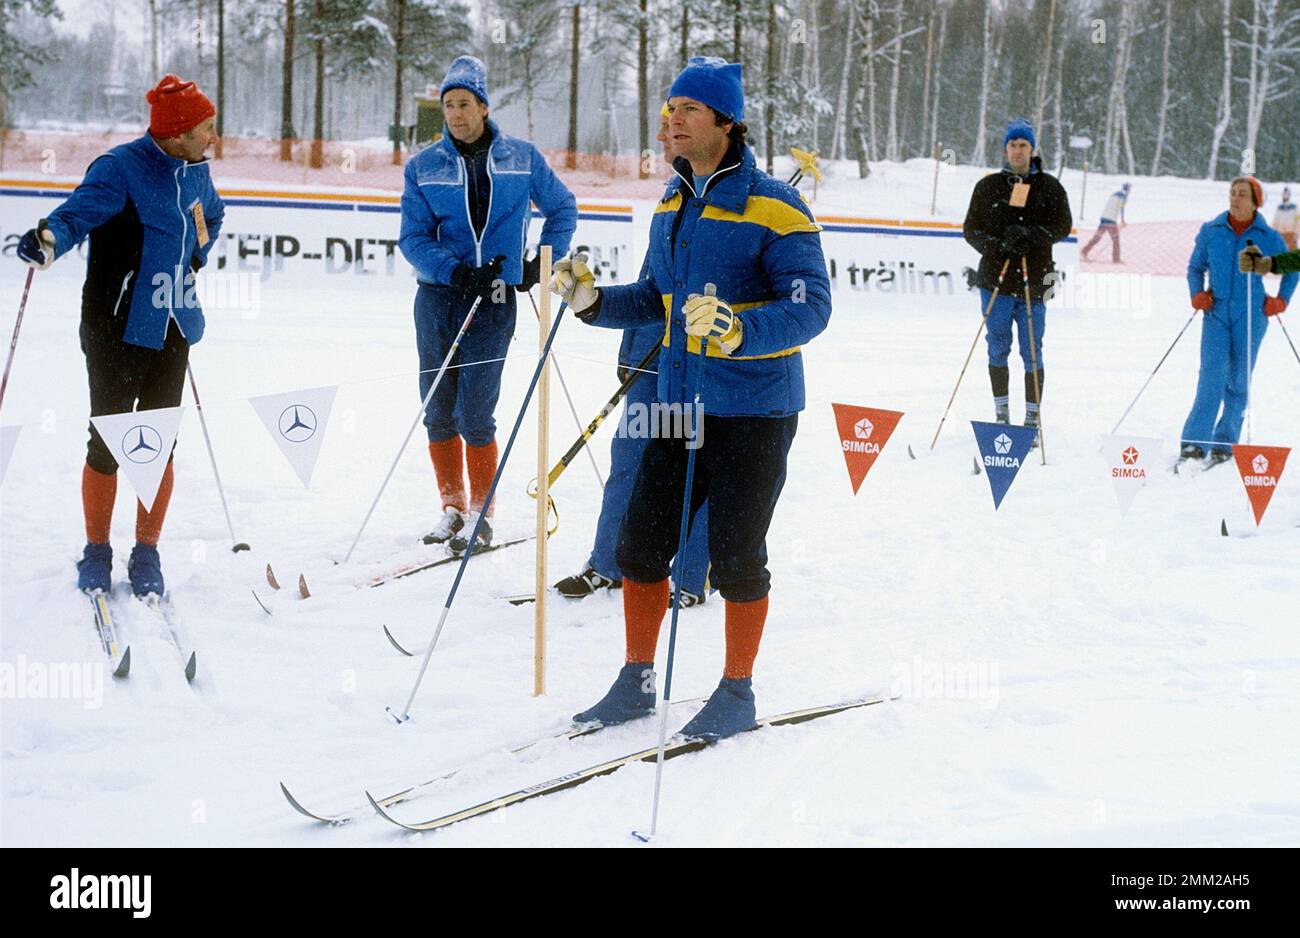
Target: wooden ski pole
{"x":1033,"y":355}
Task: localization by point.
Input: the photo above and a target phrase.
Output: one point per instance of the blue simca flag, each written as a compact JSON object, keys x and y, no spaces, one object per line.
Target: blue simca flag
{"x":1003,"y":447}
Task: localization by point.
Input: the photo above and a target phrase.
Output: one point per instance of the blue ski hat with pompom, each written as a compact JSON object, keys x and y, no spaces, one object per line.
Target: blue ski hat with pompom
{"x":712,"y":81}
{"x":1020,"y":129}
{"x":469,"y":73}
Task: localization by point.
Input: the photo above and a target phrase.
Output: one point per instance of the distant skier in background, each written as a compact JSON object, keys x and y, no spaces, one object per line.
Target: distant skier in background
{"x":1226,"y":362}
{"x":465,"y":214}
{"x":1002,"y":231}
{"x":625,"y":452}
{"x":152,"y":215}
{"x":1112,"y":219}
{"x":1285,"y":220}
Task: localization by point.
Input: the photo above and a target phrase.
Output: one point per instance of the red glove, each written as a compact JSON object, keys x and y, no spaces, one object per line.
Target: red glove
{"x":1274,"y":305}
{"x":1204,"y":301}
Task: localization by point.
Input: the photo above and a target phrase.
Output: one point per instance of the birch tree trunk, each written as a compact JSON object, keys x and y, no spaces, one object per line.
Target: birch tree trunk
{"x":925,"y":84}
{"x":981,"y":130}
{"x":893,"y":86}
{"x":1045,"y":70}
{"x":1225,"y":96}
{"x":842,"y":96}
{"x":869,"y":54}
{"x":1164,"y":89}
{"x":286,"y":87}
{"x":571,"y":157}
{"x":938,"y":79}
{"x":861,"y":145}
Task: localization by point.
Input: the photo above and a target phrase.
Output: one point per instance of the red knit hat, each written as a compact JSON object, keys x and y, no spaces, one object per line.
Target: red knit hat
{"x":176,"y":107}
{"x":1255,"y":188}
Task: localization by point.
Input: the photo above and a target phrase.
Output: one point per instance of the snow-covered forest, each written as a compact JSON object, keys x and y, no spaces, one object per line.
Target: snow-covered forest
{"x":1200,"y":88}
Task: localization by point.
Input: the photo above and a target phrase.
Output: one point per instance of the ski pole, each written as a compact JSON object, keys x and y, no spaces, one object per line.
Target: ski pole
{"x":442,"y":370}
{"x":564,"y":385}
{"x":1033,"y":354}
{"x":605,"y":411}
{"x":987,"y":309}
{"x":1124,"y":415}
{"x":237,"y":545}
{"x":678,"y":570}
{"x":1250,"y":342}
{"x":1288,"y":339}
{"x":473,"y":538}
{"x":13,"y":343}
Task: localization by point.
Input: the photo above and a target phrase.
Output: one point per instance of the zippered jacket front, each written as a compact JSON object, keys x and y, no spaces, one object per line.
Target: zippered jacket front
{"x":152,"y":220}
{"x":437,"y":231}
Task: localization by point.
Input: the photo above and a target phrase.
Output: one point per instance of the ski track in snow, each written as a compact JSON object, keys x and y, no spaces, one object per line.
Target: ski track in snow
{"x":1142,"y":672}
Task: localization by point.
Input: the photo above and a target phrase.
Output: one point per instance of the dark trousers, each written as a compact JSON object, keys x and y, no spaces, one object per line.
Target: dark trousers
{"x":125,"y":378}
{"x":739,"y":472}
{"x":466,"y":400}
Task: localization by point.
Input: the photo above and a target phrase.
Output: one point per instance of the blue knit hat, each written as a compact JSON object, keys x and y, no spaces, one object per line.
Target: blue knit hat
{"x":712,"y":81}
{"x":469,"y":73}
{"x":1020,"y":129}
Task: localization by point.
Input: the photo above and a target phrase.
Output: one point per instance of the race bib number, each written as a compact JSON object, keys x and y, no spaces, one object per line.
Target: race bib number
{"x":201,"y":226}
{"x":1019,"y":194}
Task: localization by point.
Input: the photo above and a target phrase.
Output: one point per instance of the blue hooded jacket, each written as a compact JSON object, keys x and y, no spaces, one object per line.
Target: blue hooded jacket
{"x":437,"y":232}
{"x":1215,"y":253}
{"x":755,"y":240}
{"x":142,"y":209}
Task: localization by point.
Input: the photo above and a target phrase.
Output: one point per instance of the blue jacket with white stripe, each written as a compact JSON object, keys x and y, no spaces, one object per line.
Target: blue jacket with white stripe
{"x":146,"y":213}
{"x":754,"y":239}
{"x":437,"y":232}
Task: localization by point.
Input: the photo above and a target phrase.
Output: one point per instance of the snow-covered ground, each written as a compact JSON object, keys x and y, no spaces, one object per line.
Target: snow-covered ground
{"x":1067,"y":675}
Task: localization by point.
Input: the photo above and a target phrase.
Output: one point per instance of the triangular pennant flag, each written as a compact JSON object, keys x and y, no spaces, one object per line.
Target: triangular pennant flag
{"x":141,"y":442}
{"x":1131,"y":460}
{"x":1260,"y":468}
{"x":8,"y":440}
{"x":1003,"y":447}
{"x":864,"y":431}
{"x":296,"y":421}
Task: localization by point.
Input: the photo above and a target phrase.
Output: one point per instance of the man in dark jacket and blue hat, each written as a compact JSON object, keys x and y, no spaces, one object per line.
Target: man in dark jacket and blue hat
{"x":465,"y":214}
{"x":726,"y":225}
{"x":152,"y":215}
{"x":1017,"y":213}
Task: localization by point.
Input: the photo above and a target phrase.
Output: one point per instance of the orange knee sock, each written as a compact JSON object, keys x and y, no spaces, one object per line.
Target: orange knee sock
{"x":446,"y":457}
{"x":97,"y":494}
{"x":149,"y":524}
{"x":482,"y":464}
{"x":744,"y":632}
{"x":644,"y":605}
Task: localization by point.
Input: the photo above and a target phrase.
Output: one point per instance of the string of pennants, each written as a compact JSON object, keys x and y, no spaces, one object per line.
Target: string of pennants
{"x":141,"y":442}
{"x":1003,"y":449}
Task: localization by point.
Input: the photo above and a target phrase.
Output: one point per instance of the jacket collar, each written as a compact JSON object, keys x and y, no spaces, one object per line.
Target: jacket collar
{"x":499,"y":148}
{"x":1256,"y":223}
{"x":1035,"y":166}
{"x":149,"y":146}
{"x":728,"y":187}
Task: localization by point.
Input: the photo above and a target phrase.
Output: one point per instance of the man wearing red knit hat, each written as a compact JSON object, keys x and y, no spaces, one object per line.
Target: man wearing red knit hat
{"x":152,"y":216}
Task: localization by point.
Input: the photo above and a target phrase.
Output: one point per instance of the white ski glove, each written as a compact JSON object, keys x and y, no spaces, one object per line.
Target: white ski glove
{"x":573,"y":282}
{"x":708,"y":315}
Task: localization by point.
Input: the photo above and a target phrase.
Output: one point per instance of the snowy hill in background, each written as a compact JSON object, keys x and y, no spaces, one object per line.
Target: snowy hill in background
{"x":1067,"y":675}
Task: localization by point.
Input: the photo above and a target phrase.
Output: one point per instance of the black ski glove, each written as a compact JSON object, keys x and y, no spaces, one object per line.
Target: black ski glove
{"x":1016,"y":240}
{"x":532,"y":274}
{"x":473,"y":281}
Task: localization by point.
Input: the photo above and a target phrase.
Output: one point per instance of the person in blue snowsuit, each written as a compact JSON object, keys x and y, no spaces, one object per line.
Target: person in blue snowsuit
{"x":1228,"y":329}
{"x":625,"y":452}
{"x":152,"y":216}
{"x":465,"y":214}
{"x":736,"y":278}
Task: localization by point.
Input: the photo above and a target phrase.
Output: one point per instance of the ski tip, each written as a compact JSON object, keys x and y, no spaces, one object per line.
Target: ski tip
{"x":394,"y":642}
{"x":642,"y":837}
{"x":975,"y":465}
{"x":910,"y":454}
{"x":262,"y":604}
{"x":270,"y":578}
{"x":192,"y":667}
{"x":1223,"y":527}
{"x":124,"y":664}
{"x":240,"y":546}
{"x":400,"y":718}
{"x":302,"y":587}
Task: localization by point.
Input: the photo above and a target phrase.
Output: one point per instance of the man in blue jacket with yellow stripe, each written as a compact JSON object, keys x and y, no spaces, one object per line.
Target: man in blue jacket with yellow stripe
{"x":726,"y":224}
{"x":152,"y":215}
{"x":465,"y":214}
